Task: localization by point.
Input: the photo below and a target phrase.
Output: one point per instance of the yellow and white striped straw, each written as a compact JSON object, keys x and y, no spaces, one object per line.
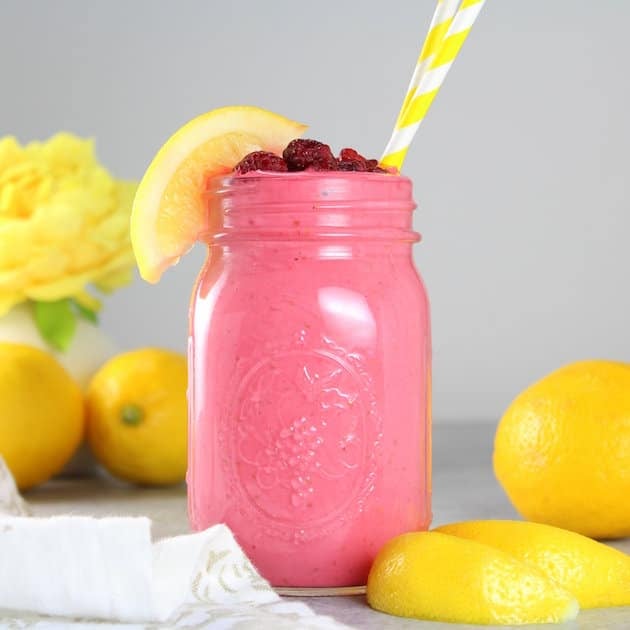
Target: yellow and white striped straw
{"x":445,"y":38}
{"x":442,"y":18}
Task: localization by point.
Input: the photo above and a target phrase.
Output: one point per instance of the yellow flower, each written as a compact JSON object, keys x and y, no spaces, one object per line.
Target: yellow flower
{"x":64,"y":222}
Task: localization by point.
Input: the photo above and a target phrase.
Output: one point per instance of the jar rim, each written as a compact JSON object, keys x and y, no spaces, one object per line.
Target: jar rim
{"x":323,"y":188}
{"x":324,"y":205}
{"x":266,"y":175}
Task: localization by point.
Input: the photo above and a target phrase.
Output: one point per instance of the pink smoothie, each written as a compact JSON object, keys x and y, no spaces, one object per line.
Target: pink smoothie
{"x":310,"y":373}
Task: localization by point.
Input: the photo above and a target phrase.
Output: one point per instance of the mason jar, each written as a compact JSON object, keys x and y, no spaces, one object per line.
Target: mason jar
{"x":309,"y":357}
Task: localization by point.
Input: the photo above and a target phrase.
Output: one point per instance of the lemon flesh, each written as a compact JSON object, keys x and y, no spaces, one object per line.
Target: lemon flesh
{"x":170,"y":209}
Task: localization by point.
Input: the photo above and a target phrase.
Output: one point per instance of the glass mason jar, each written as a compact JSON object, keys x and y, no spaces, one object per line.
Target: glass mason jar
{"x":309,"y":358}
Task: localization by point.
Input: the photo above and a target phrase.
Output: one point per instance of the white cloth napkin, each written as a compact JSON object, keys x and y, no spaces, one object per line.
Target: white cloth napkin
{"x":66,"y":570}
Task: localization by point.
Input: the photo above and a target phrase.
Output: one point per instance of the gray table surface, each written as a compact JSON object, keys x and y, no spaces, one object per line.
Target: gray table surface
{"x":463,"y":488}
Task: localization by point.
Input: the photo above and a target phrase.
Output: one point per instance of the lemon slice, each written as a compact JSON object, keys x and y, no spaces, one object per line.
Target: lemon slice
{"x":169,"y":211}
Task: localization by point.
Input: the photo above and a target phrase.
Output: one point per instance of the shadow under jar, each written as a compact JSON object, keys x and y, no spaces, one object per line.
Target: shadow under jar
{"x":309,"y":360}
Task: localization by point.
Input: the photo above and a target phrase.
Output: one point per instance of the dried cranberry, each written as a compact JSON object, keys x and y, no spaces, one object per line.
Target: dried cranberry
{"x":261,"y":161}
{"x":351,"y":154}
{"x":351,"y":165}
{"x":302,"y":154}
{"x":351,"y":160}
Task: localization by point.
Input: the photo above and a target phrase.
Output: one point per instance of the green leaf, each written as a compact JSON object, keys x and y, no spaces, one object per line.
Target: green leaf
{"x":56,"y":322}
{"x":85,"y":312}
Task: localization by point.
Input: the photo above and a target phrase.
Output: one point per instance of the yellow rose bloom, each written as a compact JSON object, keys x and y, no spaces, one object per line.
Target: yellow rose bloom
{"x":64,"y":222}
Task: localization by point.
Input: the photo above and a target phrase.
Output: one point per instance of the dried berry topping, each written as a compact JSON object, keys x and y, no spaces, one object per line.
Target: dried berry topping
{"x":302,"y":154}
{"x":351,"y":155}
{"x":309,"y":155}
{"x":261,"y":161}
{"x":351,"y":165}
{"x":351,"y":160}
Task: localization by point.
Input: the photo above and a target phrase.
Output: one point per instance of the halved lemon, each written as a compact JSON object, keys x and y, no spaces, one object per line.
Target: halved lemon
{"x":434,"y":576}
{"x":169,"y":211}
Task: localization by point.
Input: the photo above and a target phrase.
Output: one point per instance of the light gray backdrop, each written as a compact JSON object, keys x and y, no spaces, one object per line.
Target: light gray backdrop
{"x":521,"y":168}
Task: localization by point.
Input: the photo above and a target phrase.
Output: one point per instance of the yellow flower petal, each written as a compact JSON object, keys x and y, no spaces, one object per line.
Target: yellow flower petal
{"x":8,"y":301}
{"x":64,"y":221}
{"x":114,"y":280}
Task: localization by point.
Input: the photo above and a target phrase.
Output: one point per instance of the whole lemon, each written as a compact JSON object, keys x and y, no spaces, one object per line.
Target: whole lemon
{"x":41,"y":414}
{"x":562,"y":449}
{"x":137,"y":416}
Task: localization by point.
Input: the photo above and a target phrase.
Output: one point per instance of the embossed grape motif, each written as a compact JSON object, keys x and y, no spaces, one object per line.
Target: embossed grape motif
{"x":301,"y":447}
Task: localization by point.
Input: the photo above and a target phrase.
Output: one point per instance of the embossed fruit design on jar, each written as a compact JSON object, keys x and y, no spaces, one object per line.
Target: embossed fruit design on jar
{"x":310,"y":373}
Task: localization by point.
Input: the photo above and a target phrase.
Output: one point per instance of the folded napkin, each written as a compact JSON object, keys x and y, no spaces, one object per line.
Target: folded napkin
{"x":80,"y":568}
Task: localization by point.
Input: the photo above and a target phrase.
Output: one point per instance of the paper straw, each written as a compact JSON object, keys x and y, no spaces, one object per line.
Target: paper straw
{"x":442,"y":17}
{"x":420,"y":99}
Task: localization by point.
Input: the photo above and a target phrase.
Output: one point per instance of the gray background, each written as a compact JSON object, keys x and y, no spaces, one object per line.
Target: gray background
{"x":521,"y":168}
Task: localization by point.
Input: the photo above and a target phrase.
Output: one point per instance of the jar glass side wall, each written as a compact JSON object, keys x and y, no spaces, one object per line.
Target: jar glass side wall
{"x":308,"y":404}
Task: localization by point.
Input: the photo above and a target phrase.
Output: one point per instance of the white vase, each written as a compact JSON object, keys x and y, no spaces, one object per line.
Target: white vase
{"x":90,"y":347}
{"x":89,"y":350}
